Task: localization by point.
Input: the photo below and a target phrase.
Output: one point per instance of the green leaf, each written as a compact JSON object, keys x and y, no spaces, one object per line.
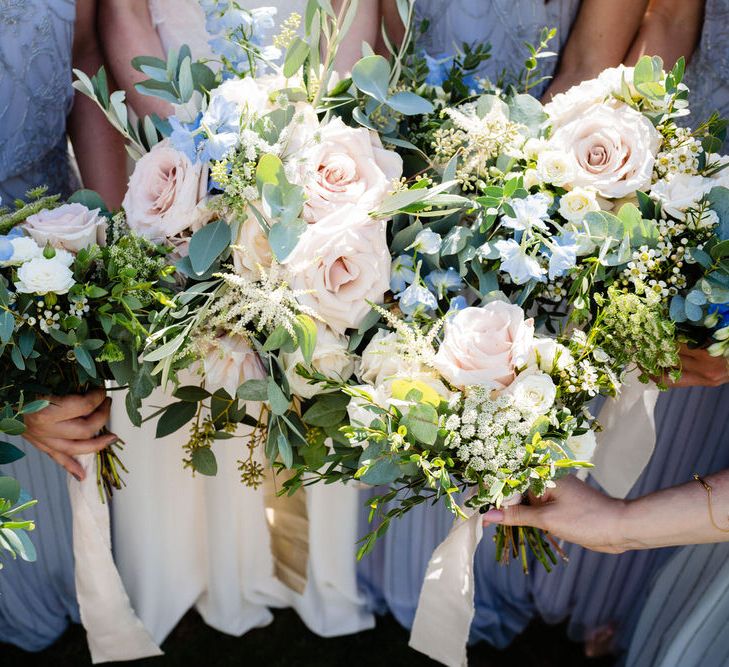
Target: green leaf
{"x":85,"y":360}
{"x":191,"y":393}
{"x":371,"y":75}
{"x":720,"y":250}
{"x":175,"y":417}
{"x":421,"y":422}
{"x":9,"y":489}
{"x":284,"y":236}
{"x":89,"y":198}
{"x":9,"y":453}
{"x":409,"y":104}
{"x":295,"y":56}
{"x":276,"y":398}
{"x":285,"y":451}
{"x":277,"y":339}
{"x":207,"y":244}
{"x":204,"y":461}
{"x":306,"y":336}
{"x":7,"y":326}
{"x":253,"y":390}
{"x":328,"y":410}
{"x":186,"y":85}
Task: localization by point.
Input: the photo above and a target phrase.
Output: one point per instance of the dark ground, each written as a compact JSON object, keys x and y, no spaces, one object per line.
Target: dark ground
{"x":287,"y":643}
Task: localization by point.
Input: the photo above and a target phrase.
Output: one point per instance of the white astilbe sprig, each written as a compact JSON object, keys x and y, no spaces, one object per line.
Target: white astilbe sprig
{"x":267,"y":302}
{"x":412,"y":343}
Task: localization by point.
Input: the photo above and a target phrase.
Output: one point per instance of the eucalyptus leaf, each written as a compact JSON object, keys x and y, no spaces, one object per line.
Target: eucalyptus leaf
{"x":207,"y":244}
{"x":175,"y":416}
{"x":203,"y":461}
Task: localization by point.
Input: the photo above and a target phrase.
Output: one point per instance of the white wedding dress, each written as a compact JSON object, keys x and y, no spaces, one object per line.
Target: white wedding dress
{"x":182,"y":541}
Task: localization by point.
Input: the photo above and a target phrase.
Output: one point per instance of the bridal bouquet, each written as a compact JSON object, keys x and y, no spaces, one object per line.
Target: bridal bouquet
{"x":77,"y":294}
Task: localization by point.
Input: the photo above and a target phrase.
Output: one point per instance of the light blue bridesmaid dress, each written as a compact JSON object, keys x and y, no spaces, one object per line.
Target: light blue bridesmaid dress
{"x":37,"y":600}
{"x":391,"y":576}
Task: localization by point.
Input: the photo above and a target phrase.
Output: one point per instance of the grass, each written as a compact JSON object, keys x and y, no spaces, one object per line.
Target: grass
{"x":288,"y":643}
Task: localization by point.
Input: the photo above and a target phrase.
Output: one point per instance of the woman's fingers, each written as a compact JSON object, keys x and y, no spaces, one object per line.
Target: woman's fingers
{"x":71,"y":465}
{"x":79,"y":447}
{"x":83,"y":428}
{"x":516,"y":515}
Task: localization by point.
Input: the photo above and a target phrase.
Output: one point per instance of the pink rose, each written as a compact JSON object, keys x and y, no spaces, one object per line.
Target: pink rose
{"x":341,"y":263}
{"x":166,"y":195}
{"x":614,"y":150}
{"x":485,"y":346}
{"x":347,"y":166}
{"x":251,"y":248}
{"x":71,"y":227}
{"x":229,"y":362}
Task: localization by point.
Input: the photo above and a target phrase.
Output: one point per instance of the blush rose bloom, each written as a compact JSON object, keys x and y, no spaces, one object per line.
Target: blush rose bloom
{"x":485,"y":346}
{"x":346,"y":166}
{"x":229,"y":362}
{"x":613,"y":149}
{"x":253,"y":249}
{"x":166,"y":195}
{"x":71,"y":227}
{"x":342,"y":263}
{"x":330,"y":358}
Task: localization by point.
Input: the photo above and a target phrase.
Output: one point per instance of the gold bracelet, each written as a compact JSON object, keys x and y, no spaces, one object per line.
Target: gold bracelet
{"x":708,"y":489}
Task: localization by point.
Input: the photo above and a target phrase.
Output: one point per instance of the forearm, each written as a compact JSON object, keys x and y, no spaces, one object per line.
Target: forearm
{"x":127,"y":31}
{"x":99,"y":149}
{"x":678,"y":516}
{"x":600,"y":38}
{"x":670,"y":29}
{"x":363,"y":29}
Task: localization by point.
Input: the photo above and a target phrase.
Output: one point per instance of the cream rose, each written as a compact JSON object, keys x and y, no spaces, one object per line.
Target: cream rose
{"x":549,"y":355}
{"x":253,"y":249}
{"x":485,"y":346}
{"x":229,"y":362}
{"x":41,"y":276}
{"x":556,"y":167}
{"x":534,"y":391}
{"x":583,"y":446}
{"x":680,"y":193}
{"x":341,"y":264}
{"x":330,"y":358}
{"x":166,"y":194}
{"x":613,"y":149}
{"x":575,"y":205}
{"x":346,"y":166}
{"x":71,"y":227}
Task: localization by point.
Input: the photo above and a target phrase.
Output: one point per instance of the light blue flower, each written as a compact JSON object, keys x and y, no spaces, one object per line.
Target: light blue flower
{"x":530,"y":212}
{"x":402,"y":273}
{"x":426,"y":242}
{"x":417,"y":299}
{"x":457,"y":303}
{"x":438,"y":68}
{"x":226,"y":48}
{"x":441,"y":281}
{"x":521,"y":266}
{"x":185,"y":138}
{"x":221,"y":123}
{"x":563,"y":255}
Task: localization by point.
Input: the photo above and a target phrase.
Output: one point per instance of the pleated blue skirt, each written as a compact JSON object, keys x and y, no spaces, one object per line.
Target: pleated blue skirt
{"x":38,"y":600}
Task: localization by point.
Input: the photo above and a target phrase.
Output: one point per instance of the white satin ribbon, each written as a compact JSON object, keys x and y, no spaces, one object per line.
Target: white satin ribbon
{"x":445,"y":608}
{"x":112,"y":628}
{"x":627,"y":442}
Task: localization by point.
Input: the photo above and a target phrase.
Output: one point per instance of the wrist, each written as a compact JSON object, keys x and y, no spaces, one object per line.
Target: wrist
{"x":623,"y":536}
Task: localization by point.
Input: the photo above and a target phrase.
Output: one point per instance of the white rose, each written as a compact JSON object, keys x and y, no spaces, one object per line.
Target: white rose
{"x":346,"y":166}
{"x":531,"y":178}
{"x":680,"y":193}
{"x":575,"y":205}
{"x":534,"y":391}
{"x":534,"y":147}
{"x":166,"y":194}
{"x":485,"y":346}
{"x":71,"y":227}
{"x":381,"y":360}
{"x":229,"y":362}
{"x":555,"y":167}
{"x":613,"y":149}
{"x":253,"y":249}
{"x":24,"y":249}
{"x":357,"y":409}
{"x":548,"y":355}
{"x":342,"y":263}
{"x":41,"y":276}
{"x":330,"y":358}
{"x":582,"y":446}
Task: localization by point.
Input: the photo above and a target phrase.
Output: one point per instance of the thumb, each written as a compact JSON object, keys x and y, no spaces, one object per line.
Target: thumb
{"x":516,"y":515}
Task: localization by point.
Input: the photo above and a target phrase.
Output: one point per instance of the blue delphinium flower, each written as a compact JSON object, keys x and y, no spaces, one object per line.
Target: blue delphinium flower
{"x":417,"y":299}
{"x":530,"y":212}
{"x":442,"y":281}
{"x":520,"y":265}
{"x":438,"y":68}
{"x":426,"y":242}
{"x":563,"y":254}
{"x":722,"y":311}
{"x":402,"y":273}
{"x":457,"y":303}
{"x":185,"y":137}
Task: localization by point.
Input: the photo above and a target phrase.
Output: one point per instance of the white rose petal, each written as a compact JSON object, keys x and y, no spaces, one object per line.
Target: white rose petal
{"x":330,"y":358}
{"x":583,"y":446}
{"x":42,"y":276}
{"x":681,"y":193}
{"x":534,"y":391}
{"x":575,"y":205}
